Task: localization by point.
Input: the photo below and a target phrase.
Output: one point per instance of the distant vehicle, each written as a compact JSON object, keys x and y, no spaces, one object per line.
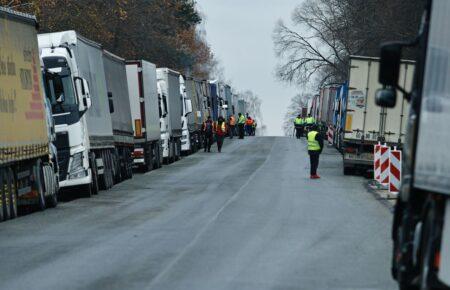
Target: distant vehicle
{"x":116,"y":84}
{"x":84,"y":135}
{"x":186,"y":102}
{"x":195,"y":118}
{"x":146,"y":113}
{"x":365,"y":123}
{"x":28,"y":160}
{"x":421,"y":227}
{"x":171,"y":104}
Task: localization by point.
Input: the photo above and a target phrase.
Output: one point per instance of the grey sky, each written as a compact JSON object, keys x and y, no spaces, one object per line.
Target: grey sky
{"x":240,"y":33}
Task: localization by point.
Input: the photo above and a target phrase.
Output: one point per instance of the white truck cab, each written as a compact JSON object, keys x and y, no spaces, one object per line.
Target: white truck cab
{"x":186,"y":145}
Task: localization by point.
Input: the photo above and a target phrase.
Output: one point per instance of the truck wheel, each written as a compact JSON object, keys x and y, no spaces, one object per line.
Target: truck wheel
{"x":94,"y":174}
{"x":39,"y":183}
{"x":348,"y":170}
{"x":149,"y":159}
{"x":106,"y":178}
{"x":51,"y":199}
{"x":3,"y":186}
{"x":12,"y":194}
{"x":158,"y":157}
{"x":178,"y":149}
{"x":86,"y":190}
{"x":427,"y":248}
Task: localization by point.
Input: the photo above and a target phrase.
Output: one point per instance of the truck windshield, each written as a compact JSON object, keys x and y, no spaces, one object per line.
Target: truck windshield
{"x":59,"y":89}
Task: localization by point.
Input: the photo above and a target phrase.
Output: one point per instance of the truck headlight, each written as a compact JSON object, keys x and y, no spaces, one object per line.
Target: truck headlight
{"x":76,"y":166}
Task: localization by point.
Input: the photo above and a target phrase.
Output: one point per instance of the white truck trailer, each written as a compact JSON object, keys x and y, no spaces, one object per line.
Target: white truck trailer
{"x":145,"y":113}
{"x":171,"y":130}
{"x":116,"y":84}
{"x":84,"y":139}
{"x":366,"y":124}
{"x":421,"y":227}
{"x":28,"y":162}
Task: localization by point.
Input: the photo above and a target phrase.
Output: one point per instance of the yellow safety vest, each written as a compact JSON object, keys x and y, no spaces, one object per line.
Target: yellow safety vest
{"x":313,"y":144}
{"x":241,"y":120}
{"x":298,"y":121}
{"x":310,"y":120}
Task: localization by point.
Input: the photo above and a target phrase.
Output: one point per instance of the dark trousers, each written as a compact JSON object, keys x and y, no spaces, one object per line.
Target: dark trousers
{"x":220,"y":142}
{"x":208,"y":142}
{"x":231,"y":133}
{"x":241,"y":131}
{"x":299,"y":131}
{"x":314,"y":159}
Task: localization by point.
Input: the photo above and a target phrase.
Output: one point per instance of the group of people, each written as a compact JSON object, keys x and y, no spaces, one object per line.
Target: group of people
{"x":309,"y":127}
{"x":221,"y":129}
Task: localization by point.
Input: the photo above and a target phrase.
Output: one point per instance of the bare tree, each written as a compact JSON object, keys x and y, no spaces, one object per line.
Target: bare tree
{"x":327,"y":32}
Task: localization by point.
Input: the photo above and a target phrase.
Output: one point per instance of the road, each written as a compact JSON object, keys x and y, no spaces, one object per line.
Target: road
{"x":248,"y":218}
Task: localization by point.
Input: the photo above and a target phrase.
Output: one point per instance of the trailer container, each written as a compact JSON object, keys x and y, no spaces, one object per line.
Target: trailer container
{"x":28,"y":162}
{"x":365,"y":123}
{"x":116,"y":84}
{"x":145,"y":114}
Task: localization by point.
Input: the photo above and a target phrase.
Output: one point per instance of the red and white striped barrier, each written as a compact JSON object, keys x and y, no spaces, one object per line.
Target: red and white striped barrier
{"x":330,"y":135}
{"x":377,"y":162}
{"x":395,"y":170}
{"x":384,"y":165}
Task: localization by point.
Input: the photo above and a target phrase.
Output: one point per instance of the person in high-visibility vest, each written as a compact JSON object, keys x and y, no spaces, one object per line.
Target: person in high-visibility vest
{"x":221,"y":131}
{"x":231,"y":126}
{"x":315,"y":147}
{"x":241,"y":124}
{"x":310,"y":120}
{"x":298,"y":124}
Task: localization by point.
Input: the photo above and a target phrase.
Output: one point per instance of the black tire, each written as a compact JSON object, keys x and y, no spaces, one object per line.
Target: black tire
{"x":427,"y":249}
{"x":106,"y":179}
{"x":51,"y":200}
{"x":348,"y":170}
{"x":3,"y":186}
{"x":94,"y":174}
{"x":149,"y":159}
{"x":86,"y":190}
{"x":171,"y":152}
{"x":39,"y":184}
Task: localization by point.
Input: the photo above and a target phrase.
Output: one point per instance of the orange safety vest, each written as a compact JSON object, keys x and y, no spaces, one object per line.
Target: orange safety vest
{"x":249,"y":122}
{"x":232,"y":121}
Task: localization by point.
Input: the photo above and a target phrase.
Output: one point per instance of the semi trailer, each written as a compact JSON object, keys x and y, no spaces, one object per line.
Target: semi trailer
{"x":82,"y":110}
{"x":117,"y":87}
{"x":421,"y":227}
{"x":171,"y":105}
{"x":147,"y":108}
{"x":365,"y":123}
{"x":28,"y":162}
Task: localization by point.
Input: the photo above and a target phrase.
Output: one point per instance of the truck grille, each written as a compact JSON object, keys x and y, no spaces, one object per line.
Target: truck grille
{"x":62,"y":144}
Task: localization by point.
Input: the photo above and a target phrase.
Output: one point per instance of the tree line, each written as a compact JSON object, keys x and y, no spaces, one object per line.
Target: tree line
{"x":165,"y":32}
{"x":326,"y":32}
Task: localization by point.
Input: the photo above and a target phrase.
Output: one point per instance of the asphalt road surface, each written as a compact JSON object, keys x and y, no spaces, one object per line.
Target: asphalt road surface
{"x":248,"y":218}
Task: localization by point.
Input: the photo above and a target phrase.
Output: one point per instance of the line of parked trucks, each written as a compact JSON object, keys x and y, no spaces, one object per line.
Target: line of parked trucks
{"x":75,"y":116}
{"x":350,"y":118}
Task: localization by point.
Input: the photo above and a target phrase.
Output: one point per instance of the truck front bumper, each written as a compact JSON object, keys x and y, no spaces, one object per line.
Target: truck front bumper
{"x":76,"y":181}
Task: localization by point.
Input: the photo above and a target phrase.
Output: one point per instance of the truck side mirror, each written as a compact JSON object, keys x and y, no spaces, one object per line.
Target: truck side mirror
{"x":79,"y":87}
{"x":390,"y":57}
{"x":110,"y":102}
{"x":87,"y":95}
{"x":188,"y":106}
{"x":386,"y":97}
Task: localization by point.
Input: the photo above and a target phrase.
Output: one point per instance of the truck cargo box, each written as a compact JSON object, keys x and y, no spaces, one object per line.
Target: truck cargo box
{"x":116,"y":83}
{"x":366,"y":121}
{"x":241,"y":107}
{"x":23,"y":124}
{"x":214,"y":95}
{"x":194,"y":118}
{"x":174,"y":100}
{"x":89,"y":56}
{"x":143,"y":93}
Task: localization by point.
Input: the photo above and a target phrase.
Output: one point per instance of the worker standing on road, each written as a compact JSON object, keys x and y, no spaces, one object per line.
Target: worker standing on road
{"x":208,"y":132}
{"x":254,"y":127}
{"x":309,"y":122}
{"x":241,"y":124}
{"x":231,"y":126}
{"x":249,"y":126}
{"x":298,"y":124}
{"x":315,"y":147}
{"x":221,"y":131}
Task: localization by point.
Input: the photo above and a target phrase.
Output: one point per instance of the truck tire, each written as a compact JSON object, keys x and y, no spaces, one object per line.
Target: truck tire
{"x":106,"y":179}
{"x":171,"y":151}
{"x":94,"y":174}
{"x":86,"y":190}
{"x":39,"y":184}
{"x":12,"y":194}
{"x":51,"y":199}
{"x":177,"y":149}
{"x":347,"y":170}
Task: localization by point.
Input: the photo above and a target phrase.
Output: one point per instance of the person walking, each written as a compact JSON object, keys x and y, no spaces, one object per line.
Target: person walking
{"x":298,"y":124}
{"x":231,"y":126}
{"x":208,"y":132}
{"x":309,"y":122}
{"x":248,"y":126}
{"x":221,"y":131}
{"x":315,"y":147}
{"x":241,"y":124}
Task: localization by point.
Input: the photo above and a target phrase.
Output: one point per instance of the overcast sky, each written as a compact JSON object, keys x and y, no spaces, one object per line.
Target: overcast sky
{"x":240,"y":33}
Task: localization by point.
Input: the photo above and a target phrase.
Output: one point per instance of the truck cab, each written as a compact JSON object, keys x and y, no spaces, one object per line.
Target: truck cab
{"x":70,"y":99}
{"x":186,"y":145}
{"x":164,"y":123}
